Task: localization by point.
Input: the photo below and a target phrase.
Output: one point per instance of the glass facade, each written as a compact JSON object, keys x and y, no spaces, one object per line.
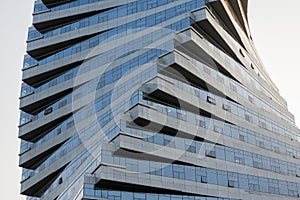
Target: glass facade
{"x":151,"y":99}
{"x":89,"y":192}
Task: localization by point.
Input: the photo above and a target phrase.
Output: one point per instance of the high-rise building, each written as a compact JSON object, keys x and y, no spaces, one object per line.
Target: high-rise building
{"x":151,"y":100}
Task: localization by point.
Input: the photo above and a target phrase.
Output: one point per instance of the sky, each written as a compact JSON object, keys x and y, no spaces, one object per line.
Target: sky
{"x":275,"y":30}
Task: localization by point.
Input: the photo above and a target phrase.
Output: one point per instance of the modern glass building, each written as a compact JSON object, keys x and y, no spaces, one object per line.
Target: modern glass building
{"x":151,"y":100}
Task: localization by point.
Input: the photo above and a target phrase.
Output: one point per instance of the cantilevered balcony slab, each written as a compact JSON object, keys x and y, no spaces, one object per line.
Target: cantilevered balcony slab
{"x":37,"y":102}
{"x":38,"y":159}
{"x":34,"y":130}
{"x":190,"y":39}
{"x":226,"y":13}
{"x":32,"y":158}
{"x":38,"y":75}
{"x":158,"y":122}
{"x":245,"y":6}
{"x":51,"y":3}
{"x":186,"y":65}
{"x":237,"y":10}
{"x":223,"y":10}
{"x":46,"y":48}
{"x":50,"y":20}
{"x":172,"y":95}
{"x":34,"y":185}
{"x":214,"y":28}
{"x":106,"y":174}
{"x":211,"y":26}
{"x":132,"y":147}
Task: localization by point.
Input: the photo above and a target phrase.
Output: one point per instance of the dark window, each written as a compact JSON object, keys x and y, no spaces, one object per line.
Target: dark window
{"x":242,"y":137}
{"x":211,"y":100}
{"x":48,"y":111}
{"x":230,"y":183}
{"x":63,"y":103}
{"x":203,"y":179}
{"x":248,"y":118}
{"x":226,"y":107}
{"x":58,"y":131}
{"x":242,"y":53}
{"x":218,"y":129}
{"x":202,"y":123}
{"x":212,"y":153}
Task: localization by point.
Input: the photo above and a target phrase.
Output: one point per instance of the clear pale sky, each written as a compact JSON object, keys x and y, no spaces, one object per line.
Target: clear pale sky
{"x":275,"y":28}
